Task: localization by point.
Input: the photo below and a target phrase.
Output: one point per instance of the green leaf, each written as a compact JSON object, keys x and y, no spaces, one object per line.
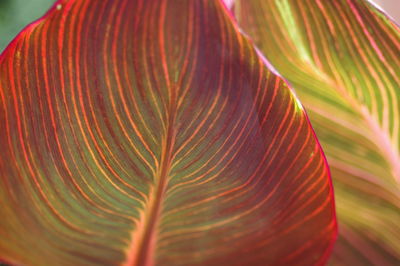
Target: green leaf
{"x":150,"y":132}
{"x":343,"y":59}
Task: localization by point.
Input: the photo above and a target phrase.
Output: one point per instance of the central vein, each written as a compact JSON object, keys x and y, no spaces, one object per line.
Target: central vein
{"x":143,"y":242}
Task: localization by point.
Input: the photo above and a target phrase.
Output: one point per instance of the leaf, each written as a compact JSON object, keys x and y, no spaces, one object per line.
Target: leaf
{"x":150,"y":132}
{"x":342,"y":57}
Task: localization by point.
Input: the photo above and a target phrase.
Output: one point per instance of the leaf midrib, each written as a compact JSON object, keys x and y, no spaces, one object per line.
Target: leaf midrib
{"x":142,"y":244}
{"x":378,"y":134}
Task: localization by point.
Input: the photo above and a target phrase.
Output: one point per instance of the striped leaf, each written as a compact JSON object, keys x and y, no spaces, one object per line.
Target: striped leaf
{"x":343,"y":59}
{"x":151,"y":133}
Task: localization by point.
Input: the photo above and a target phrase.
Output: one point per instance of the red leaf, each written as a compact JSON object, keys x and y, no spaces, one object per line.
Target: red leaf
{"x":149,"y":132}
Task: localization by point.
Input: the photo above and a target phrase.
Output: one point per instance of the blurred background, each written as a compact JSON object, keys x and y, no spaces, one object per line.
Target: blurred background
{"x":392,"y":7}
{"x":16,"y":14}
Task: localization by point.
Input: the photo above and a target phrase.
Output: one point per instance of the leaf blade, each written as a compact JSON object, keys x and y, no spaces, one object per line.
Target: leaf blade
{"x":342,"y":57}
{"x":154,"y":139}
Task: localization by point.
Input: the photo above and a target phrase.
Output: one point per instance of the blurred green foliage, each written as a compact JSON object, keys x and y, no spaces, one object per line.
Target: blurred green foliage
{"x":16,"y":14}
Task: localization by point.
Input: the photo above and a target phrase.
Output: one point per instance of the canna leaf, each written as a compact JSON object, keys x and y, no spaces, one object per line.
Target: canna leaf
{"x":343,"y":59}
{"x":151,"y":133}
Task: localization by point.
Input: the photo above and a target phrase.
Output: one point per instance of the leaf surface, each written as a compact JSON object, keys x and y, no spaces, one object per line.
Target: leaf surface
{"x":343,"y":59}
{"x":150,"y":132}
